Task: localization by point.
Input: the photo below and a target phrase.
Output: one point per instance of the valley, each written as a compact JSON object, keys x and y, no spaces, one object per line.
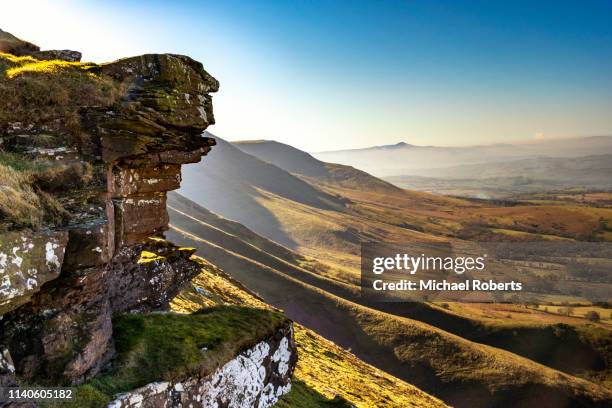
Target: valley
{"x":306,"y":262}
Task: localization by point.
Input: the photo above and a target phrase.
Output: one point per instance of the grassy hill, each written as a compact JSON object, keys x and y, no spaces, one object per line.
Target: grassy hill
{"x":326,"y":375}
{"x":235,"y":184}
{"x":455,"y":369}
{"x":300,"y":163}
{"x":569,"y":344}
{"x":317,"y":269}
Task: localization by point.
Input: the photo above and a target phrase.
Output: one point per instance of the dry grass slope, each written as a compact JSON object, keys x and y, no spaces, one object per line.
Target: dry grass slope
{"x":323,"y":367}
{"x":453,"y":368}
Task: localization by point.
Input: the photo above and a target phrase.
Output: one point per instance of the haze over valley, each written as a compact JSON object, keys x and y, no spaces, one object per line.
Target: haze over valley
{"x":489,"y":171}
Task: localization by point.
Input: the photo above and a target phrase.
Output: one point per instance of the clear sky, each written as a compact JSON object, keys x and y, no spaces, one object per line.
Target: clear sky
{"x":324,"y":75}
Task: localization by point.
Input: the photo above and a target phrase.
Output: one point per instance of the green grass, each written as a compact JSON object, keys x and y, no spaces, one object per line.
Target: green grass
{"x":47,"y":67}
{"x":168,"y":346}
{"x":37,"y":92}
{"x":302,"y":396}
{"x":20,"y":162}
{"x":19,"y":203}
{"x":14,"y":65}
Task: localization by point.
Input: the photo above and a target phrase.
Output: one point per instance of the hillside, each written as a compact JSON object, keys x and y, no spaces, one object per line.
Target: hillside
{"x":236,"y":184}
{"x":326,"y":375}
{"x":298,"y":162}
{"x":418,"y":353}
{"x":328,"y":244}
{"x":353,"y":212}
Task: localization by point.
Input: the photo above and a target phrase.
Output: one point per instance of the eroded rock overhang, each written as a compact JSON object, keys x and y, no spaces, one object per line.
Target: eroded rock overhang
{"x":108,"y":142}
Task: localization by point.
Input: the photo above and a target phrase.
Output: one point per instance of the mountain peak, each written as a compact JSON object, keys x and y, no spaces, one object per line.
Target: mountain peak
{"x":398,"y":145}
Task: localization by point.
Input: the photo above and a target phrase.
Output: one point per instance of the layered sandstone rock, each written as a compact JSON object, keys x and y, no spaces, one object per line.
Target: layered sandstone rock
{"x":99,"y":158}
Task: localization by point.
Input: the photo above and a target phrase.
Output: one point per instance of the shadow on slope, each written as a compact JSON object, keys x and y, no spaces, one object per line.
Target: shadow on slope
{"x":301,"y":163}
{"x":581,"y":350}
{"x":459,"y":371}
{"x":232,"y":182}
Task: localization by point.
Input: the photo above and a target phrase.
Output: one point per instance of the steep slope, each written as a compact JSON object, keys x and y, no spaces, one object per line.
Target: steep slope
{"x":236,"y":183}
{"x":326,"y":375}
{"x":301,"y":163}
{"x":454,"y":369}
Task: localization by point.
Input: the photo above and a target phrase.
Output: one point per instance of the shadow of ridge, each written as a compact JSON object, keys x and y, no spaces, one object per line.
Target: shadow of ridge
{"x":237,"y":166}
{"x":301,"y":395}
{"x":236,"y":201}
{"x":341,"y":322}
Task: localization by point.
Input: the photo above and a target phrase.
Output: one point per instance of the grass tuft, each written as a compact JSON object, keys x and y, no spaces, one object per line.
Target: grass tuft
{"x":22,"y":202}
{"x":169,"y":346}
{"x":37,"y":92}
{"x":303,"y":396}
{"x":19,"y":204}
{"x":19,"y":65}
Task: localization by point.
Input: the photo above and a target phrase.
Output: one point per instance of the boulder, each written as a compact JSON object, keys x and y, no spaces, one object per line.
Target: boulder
{"x":27,"y":261}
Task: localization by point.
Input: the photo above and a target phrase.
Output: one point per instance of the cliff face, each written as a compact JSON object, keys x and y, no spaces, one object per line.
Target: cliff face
{"x":87,"y":154}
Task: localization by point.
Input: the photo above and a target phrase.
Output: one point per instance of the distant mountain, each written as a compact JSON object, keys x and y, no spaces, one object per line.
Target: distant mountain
{"x":584,"y":171}
{"x":398,"y":145}
{"x":301,"y":163}
{"x":402,"y":160}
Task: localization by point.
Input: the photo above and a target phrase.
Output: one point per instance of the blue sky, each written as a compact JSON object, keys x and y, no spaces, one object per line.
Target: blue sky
{"x":325,"y":75}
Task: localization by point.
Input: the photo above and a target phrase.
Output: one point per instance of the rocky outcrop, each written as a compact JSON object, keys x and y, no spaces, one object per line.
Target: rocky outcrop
{"x":257,"y":377}
{"x":96,"y":163}
{"x":134,"y":148}
{"x":12,"y":45}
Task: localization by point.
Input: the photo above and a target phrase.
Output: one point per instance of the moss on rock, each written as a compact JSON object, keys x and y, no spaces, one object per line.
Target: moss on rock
{"x":170,"y":347}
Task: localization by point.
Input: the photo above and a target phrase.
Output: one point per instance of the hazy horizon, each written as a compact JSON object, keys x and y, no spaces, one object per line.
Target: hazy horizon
{"x":513,"y":142}
{"x":324,"y":76}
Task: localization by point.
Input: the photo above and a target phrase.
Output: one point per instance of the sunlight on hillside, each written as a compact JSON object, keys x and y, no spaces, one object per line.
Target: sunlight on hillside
{"x":322,"y":366}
